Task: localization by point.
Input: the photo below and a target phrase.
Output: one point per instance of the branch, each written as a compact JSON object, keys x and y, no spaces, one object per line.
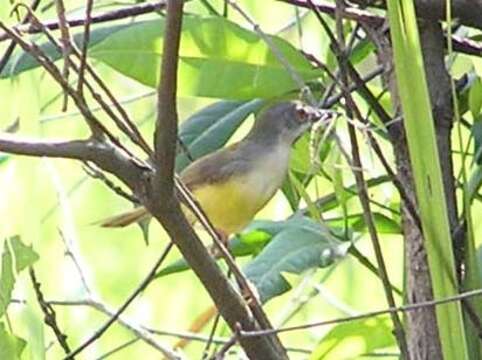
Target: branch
{"x":163,"y":205}
{"x":104,"y":155}
{"x":371,"y":314}
{"x":142,"y":286}
{"x":462,"y":45}
{"x":50,"y":317}
{"x":118,"y":14}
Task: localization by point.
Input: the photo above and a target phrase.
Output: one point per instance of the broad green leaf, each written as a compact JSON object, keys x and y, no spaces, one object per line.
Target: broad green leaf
{"x":217,"y":58}
{"x":210,"y":128}
{"x":22,"y":61}
{"x":352,"y":339}
{"x":251,"y":240}
{"x":14,"y":252}
{"x":11,"y":346}
{"x":293,"y":250}
{"x":475,"y":98}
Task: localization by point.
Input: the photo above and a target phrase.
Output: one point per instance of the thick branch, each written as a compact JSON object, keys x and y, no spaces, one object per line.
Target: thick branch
{"x":104,"y":155}
{"x":164,"y":206}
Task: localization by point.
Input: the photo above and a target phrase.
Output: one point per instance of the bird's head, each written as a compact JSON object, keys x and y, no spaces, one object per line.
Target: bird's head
{"x":284,"y":121}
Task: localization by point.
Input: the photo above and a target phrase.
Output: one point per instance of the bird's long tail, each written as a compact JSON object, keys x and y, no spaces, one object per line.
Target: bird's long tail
{"x":135,"y":215}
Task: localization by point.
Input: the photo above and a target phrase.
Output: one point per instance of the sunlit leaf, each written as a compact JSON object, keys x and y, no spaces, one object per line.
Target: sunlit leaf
{"x":352,"y":339}
{"x":22,"y":61}
{"x":14,"y":252}
{"x":217,"y":58}
{"x":11,"y":346}
{"x":475,"y":98}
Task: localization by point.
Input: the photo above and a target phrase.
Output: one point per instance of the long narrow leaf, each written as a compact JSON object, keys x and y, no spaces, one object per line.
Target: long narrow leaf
{"x":427,"y":173}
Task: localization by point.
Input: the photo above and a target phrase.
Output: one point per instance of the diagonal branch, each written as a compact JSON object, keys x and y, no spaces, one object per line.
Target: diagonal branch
{"x":163,"y":205}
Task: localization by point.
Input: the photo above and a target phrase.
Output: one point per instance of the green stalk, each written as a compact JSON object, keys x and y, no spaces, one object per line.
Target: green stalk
{"x":427,"y":173}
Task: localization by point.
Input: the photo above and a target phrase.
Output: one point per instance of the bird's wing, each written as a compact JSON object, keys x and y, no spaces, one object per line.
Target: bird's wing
{"x":216,"y":167}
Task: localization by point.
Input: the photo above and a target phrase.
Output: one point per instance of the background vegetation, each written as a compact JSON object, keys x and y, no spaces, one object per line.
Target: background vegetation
{"x":318,"y":250}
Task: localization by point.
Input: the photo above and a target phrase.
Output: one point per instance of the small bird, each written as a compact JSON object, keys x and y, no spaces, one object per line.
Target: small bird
{"x":232,"y":184}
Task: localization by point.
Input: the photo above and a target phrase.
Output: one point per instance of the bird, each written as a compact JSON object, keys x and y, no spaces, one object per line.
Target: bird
{"x":234,"y":183}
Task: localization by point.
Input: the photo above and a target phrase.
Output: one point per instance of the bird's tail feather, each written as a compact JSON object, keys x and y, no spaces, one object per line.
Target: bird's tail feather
{"x":133,"y":216}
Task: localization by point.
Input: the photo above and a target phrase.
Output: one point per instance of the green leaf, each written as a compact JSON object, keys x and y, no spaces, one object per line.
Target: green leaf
{"x":352,"y":339}
{"x":361,"y":51}
{"x":210,"y":128}
{"x":22,"y":61}
{"x":14,"y":252}
{"x":294,"y":250}
{"x":477,"y":134}
{"x":475,"y":98}
{"x":11,"y":346}
{"x":3,"y":158}
{"x":217,"y":58}
{"x":356,"y":223}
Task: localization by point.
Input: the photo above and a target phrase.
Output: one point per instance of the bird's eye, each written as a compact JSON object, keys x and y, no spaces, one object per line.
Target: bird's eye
{"x":302,"y":114}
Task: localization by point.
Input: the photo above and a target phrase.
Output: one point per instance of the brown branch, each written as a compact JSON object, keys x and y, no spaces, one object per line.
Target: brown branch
{"x":338,"y":45}
{"x":104,"y":155}
{"x":118,"y":14}
{"x":164,"y":206}
{"x":85,"y":44}
{"x":66,"y":48}
{"x":49,"y":313}
{"x":13,"y":44}
{"x":462,"y":45}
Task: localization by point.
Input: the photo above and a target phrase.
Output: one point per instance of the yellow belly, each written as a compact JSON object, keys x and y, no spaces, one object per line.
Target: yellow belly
{"x":231,"y":205}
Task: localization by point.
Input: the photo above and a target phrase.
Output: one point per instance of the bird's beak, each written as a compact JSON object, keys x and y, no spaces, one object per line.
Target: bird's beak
{"x":314,"y":115}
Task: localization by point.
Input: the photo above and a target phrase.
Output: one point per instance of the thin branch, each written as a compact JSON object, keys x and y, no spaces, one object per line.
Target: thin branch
{"x":85,"y":44}
{"x":142,"y":286}
{"x":371,"y":314}
{"x":360,"y":181}
{"x":118,"y":14}
{"x":95,"y":173}
{"x":11,"y":46}
{"x":462,"y":45}
{"x":49,"y":313}
{"x":66,"y":41}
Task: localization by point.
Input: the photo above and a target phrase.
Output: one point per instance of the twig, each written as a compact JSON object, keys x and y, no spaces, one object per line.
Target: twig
{"x":462,"y":45}
{"x":97,"y":174}
{"x":141,"y":332}
{"x":390,"y":310}
{"x":359,"y":177}
{"x":49,"y":313}
{"x":142,"y":286}
{"x":118,"y":14}
{"x":125,"y":125}
{"x":85,"y":44}
{"x":66,"y":45}
{"x":11,"y":46}
{"x":225,"y":348}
